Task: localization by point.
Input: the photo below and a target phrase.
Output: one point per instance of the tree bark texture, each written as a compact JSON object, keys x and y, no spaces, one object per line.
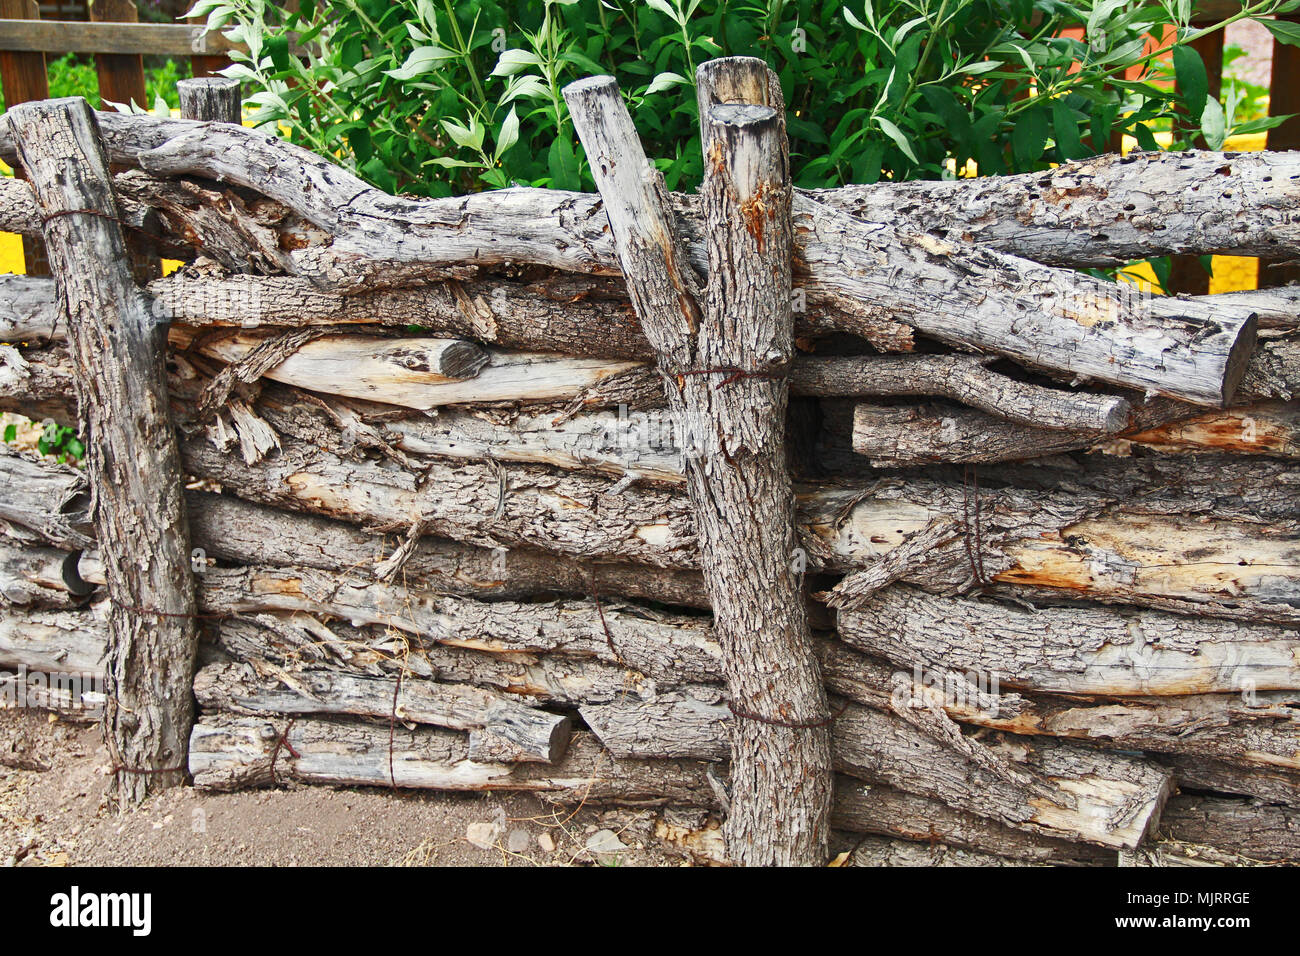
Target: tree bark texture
{"x":133,"y":463}
{"x":738,"y":482}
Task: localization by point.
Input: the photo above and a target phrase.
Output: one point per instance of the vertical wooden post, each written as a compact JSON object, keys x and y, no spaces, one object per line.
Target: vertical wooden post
{"x":24,"y":79}
{"x":723,"y":354}
{"x":1283,"y":98}
{"x":1186,"y":273}
{"x":118,"y":354}
{"x":212,"y":98}
{"x":121,"y":80}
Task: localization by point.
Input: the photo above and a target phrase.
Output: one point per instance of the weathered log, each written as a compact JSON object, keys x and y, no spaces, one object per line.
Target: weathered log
{"x":737,"y":478}
{"x":1197,"y":773}
{"x":37,"y":383}
{"x":1266,"y":428}
{"x":34,"y":576}
{"x":1074,"y":650}
{"x":1078,"y":325}
{"x":229,"y":753}
{"x":675,"y":647}
{"x":1257,"y":729}
{"x":886,"y":812}
{"x":874,"y":851}
{"x":76,"y":697}
{"x":1170,"y":853}
{"x":46,"y":498}
{"x":133,"y":462}
{"x":246,"y":533}
{"x":1076,"y":545}
{"x":1128,"y":539}
{"x":533,"y":734}
{"x":962,"y":378}
{"x":1083,"y":213}
{"x":55,"y":641}
{"x":423,"y":373}
{"x":912,"y":435}
{"x":1251,"y":828}
{"x":1092,"y":212}
{"x":1083,"y":795}
{"x":214,"y":98}
{"x":1028,"y":312}
{"x":243,"y":300}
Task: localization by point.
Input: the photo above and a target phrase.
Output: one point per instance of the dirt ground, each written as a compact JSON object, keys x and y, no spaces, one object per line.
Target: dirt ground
{"x":53,"y":812}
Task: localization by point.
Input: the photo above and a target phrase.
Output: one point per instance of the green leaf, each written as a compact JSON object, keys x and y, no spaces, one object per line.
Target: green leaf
{"x":980,"y":66}
{"x":1193,"y":84}
{"x":1065,"y":129}
{"x":898,"y":136}
{"x":1284,"y":31}
{"x":508,"y":135}
{"x":470,"y":137}
{"x":1146,"y":139}
{"x":422,"y":60}
{"x":855,"y":22}
{"x":515,"y":61}
{"x":277,"y":47}
{"x":562,"y":162}
{"x":1214,"y":125}
{"x":11,"y":433}
{"x":1029,"y":138}
{"x":664,"y":81}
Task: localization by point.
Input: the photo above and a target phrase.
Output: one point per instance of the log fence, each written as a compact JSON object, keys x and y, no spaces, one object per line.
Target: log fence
{"x":563,"y":493}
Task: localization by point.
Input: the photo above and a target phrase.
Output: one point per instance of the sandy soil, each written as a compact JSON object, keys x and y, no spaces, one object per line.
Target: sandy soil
{"x":53,"y":812}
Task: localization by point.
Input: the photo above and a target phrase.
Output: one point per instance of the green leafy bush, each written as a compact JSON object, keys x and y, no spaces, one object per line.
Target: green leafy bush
{"x":435,"y":97}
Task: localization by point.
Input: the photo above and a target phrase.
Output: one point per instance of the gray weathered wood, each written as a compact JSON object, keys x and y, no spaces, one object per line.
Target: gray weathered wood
{"x":1083,"y":544}
{"x":1083,"y":213}
{"x":1046,"y":317}
{"x":214,"y":98}
{"x":1259,"y":729}
{"x":39,"y":577}
{"x":133,"y":461}
{"x":1252,"y":828}
{"x":229,"y":753}
{"x":250,"y":300}
{"x":737,"y":479}
{"x":885,"y":811}
{"x":534,"y":734}
{"x":1074,"y":650}
{"x":904,"y":436}
{"x":1082,"y":795}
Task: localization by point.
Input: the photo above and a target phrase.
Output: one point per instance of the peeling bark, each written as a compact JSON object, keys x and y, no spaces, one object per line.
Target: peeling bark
{"x":133,"y":462}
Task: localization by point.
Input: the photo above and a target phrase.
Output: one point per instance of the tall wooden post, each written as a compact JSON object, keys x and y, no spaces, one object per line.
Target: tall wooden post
{"x":24,"y":79}
{"x":121,"y":80}
{"x":118,"y":354}
{"x":212,"y":98}
{"x":724,"y":352}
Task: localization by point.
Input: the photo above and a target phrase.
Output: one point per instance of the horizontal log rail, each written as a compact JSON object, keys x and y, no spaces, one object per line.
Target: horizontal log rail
{"x":949,"y":288}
